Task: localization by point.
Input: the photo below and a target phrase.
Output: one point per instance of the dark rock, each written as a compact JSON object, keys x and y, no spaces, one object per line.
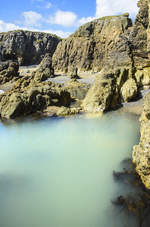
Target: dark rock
{"x":27,"y":47}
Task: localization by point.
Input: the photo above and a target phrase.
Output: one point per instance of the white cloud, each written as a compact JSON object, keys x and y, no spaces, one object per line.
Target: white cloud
{"x":48,"y":5}
{"x":32,"y":18}
{"x":111,"y":7}
{"x":60,"y":33}
{"x":84,"y":20}
{"x":64,"y":18}
{"x":4,"y":27}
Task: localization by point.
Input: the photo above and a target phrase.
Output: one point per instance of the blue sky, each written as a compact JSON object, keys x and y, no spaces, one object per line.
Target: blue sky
{"x":61,"y":17}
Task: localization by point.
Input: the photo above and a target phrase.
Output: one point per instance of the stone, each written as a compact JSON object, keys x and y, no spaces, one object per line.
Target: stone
{"x":44,"y":70}
{"x":102,"y":95}
{"x":129,"y":90}
{"x":27,"y":47}
{"x":8,"y":71}
{"x":27,"y":98}
{"x":94,"y":45}
{"x":141,"y":152}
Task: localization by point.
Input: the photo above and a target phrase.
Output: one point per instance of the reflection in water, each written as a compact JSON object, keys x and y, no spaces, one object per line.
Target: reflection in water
{"x":58,"y":173}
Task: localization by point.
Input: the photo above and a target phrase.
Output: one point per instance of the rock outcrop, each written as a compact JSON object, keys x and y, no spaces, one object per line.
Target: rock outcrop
{"x":44,"y":70}
{"x":141,"y":152}
{"x":28,"y":96}
{"x":94,"y":45}
{"x":110,"y":90}
{"x":28,"y":48}
{"x":8,"y":71}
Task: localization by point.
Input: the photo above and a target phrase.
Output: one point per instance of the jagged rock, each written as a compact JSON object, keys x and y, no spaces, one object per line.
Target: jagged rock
{"x":8,"y":71}
{"x":129,"y":90}
{"x":143,"y":77}
{"x":27,"y":47}
{"x":44,"y":70}
{"x":109,"y":90}
{"x":74,"y":73}
{"x":102,"y":95}
{"x":94,"y":45}
{"x":138,"y":36}
{"x":30,"y":97}
{"x":141,"y":152}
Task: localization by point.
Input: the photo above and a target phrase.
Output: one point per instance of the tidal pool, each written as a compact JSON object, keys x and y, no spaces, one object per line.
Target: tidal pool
{"x":58,"y":172}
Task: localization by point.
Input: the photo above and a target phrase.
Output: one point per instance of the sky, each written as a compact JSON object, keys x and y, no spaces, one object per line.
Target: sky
{"x":61,"y":17}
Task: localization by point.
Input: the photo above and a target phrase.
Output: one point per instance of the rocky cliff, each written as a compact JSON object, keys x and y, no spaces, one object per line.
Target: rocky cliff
{"x":111,"y":42}
{"x":141,"y":152}
{"x":94,"y":45}
{"x":27,"y":47}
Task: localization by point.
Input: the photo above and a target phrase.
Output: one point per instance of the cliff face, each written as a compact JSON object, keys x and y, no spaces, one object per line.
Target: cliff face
{"x":139,"y":36}
{"x":94,"y":45}
{"x":141,"y":152}
{"x":111,"y":42}
{"x":26,"y":47}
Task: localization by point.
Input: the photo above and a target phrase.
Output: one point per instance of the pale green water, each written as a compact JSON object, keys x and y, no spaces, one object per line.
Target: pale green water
{"x":58,"y":173}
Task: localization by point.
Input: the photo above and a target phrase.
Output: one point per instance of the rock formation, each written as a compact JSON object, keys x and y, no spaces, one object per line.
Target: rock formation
{"x":28,"y":96}
{"x":28,"y":48}
{"x":94,"y":44}
{"x":110,"y":90}
{"x":8,"y":71}
{"x":112,"y":46}
{"x":141,"y":152}
{"x":44,"y":70}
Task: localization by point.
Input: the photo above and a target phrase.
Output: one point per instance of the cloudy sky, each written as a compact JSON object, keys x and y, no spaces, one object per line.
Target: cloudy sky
{"x":61,"y":17}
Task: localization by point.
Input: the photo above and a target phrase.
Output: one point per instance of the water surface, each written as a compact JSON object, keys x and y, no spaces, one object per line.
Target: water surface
{"x":58,"y":173}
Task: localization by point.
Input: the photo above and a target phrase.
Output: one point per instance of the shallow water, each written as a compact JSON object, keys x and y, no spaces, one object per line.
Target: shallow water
{"x":58,"y":173}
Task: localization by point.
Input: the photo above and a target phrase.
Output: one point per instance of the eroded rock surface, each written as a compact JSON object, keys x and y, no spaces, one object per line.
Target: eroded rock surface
{"x":44,"y":70}
{"x":27,"y":47}
{"x":141,"y":152}
{"x":28,"y":96}
{"x":8,"y":71}
{"x":93,"y":45}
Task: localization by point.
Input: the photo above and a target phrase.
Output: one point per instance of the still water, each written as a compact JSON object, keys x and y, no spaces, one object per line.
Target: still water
{"x":58,"y":173}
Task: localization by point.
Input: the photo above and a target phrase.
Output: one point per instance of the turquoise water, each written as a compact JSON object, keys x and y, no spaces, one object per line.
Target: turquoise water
{"x":58,"y":173}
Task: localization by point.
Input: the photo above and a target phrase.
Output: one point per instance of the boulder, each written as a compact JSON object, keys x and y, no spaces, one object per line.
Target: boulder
{"x":102,"y":95}
{"x":8,"y":71}
{"x":44,"y":70}
{"x":129,"y":90}
{"x":27,"y":98}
